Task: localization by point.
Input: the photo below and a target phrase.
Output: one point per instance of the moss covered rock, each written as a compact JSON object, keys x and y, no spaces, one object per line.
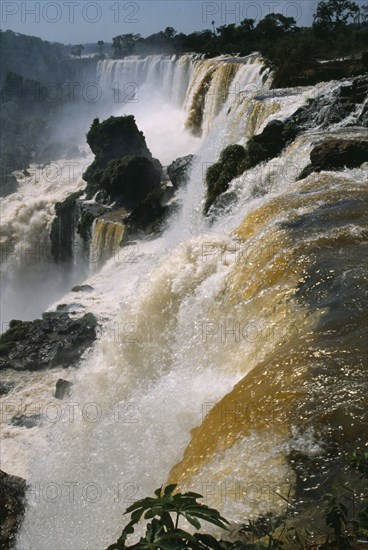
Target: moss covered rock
{"x":235,"y":159}
{"x":232,"y":163}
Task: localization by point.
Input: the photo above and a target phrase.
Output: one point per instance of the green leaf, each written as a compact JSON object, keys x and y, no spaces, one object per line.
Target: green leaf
{"x":192,"y":520}
{"x":169,"y":489}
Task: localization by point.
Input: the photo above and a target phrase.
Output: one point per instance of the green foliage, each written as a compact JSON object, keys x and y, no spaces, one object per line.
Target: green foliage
{"x":163,"y":531}
{"x":124,"y":44}
{"x":359,"y":460}
{"x":335,"y":512}
{"x":235,"y":159}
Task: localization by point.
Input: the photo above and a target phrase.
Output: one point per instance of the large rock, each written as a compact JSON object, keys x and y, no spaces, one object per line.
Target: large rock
{"x":332,"y":108}
{"x":150,"y":214}
{"x":117,"y":137}
{"x":336,"y":154}
{"x":123,"y":171}
{"x":130,"y":178}
{"x":63,"y":228}
{"x":12,"y":494}
{"x":179,"y":170}
{"x":55,"y":341}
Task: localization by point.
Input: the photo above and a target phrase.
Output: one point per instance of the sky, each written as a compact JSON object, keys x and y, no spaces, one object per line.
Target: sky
{"x":83,"y":21}
{"x":76,"y":21}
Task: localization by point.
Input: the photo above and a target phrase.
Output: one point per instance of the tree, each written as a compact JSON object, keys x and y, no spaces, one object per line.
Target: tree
{"x":275,"y":25}
{"x":124,"y":44}
{"x":100,"y":44}
{"x":334,"y":14}
{"x":247,"y":25}
{"x":169,"y":33}
{"x":77,"y":50}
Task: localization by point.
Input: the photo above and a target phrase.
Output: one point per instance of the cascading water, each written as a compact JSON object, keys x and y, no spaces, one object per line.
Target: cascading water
{"x":30,"y":277}
{"x":106,"y":239}
{"x":236,"y":313}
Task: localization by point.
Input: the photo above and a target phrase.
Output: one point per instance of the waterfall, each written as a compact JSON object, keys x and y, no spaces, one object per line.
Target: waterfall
{"x":225,"y":345}
{"x":166,"y":75}
{"x":106,"y":240}
{"x":27,"y":261}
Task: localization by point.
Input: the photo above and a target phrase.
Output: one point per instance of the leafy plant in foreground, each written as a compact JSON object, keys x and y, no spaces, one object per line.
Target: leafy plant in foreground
{"x":163,"y":531}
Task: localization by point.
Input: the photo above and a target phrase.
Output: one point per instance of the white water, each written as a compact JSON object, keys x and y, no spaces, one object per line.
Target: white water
{"x":151,"y":376}
{"x":30,"y":277}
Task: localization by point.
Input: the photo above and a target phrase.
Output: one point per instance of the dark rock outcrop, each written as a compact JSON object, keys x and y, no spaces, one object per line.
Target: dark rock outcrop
{"x":12,"y":498}
{"x":115,"y":138}
{"x":63,"y":388}
{"x":6,"y":387}
{"x":123,"y":177}
{"x":150,"y":214}
{"x":63,"y":228}
{"x":334,"y":107}
{"x":123,"y":170}
{"x":179,"y":170}
{"x":336,"y":154}
{"x":54,"y":341}
{"x":82,"y":288}
{"x":130,"y":179}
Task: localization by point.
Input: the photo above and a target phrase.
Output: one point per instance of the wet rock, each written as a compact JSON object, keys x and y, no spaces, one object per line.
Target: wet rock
{"x":25,"y":421}
{"x":63,"y":388}
{"x":179,"y":170}
{"x":150,"y":214}
{"x":12,"y":505}
{"x":336,"y":154}
{"x":235,"y":159}
{"x":54,"y":341}
{"x":328,"y":108}
{"x":63,"y":228}
{"x":6,"y":387}
{"x":82,"y":288}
